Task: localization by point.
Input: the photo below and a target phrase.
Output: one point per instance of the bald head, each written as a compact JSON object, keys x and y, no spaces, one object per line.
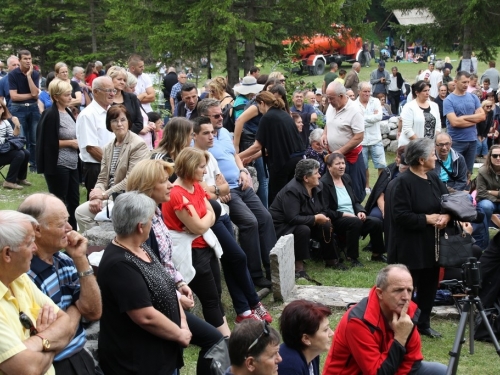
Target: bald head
{"x":38,"y":205}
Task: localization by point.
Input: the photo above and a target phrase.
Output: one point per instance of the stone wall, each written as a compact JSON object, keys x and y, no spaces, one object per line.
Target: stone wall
{"x":389,"y":129}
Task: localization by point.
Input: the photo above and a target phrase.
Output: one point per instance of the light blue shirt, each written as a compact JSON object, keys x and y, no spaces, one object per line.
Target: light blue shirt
{"x":344,"y":200}
{"x":224,"y":153}
{"x":444,"y":176}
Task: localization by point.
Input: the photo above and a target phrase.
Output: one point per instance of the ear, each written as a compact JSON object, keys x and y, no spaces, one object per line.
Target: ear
{"x":305,"y":339}
{"x":38,"y":232}
{"x":379,"y":292}
{"x":250,"y":363}
{"x":5,"y":254}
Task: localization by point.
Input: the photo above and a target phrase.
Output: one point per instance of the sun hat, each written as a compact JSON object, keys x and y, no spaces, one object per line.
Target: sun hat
{"x":247,"y":86}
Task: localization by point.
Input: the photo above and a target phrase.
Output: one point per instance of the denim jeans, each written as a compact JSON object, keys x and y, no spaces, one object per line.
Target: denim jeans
{"x":482,"y":147}
{"x":489,"y":208}
{"x":28,"y":117}
{"x":262,"y":191}
{"x":468,"y":150}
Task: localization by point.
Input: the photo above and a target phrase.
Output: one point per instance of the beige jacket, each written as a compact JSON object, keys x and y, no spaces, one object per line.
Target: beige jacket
{"x":133,"y":150}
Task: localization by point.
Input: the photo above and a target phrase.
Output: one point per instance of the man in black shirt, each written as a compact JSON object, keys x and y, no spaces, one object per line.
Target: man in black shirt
{"x":169,"y":80}
{"x":442,"y":94}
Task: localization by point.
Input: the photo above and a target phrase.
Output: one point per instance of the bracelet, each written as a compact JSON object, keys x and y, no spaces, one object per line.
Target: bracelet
{"x":89,"y":272}
{"x":244,"y":170}
{"x":180,"y":285}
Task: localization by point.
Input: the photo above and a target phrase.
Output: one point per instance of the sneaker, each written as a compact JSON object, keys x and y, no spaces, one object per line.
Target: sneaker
{"x":262,"y":282}
{"x":252,"y":316}
{"x":379,"y":258}
{"x":24,"y":182}
{"x":337,"y":266}
{"x":11,"y":185}
{"x":368,"y":190}
{"x":301,"y":275}
{"x":262,"y":313}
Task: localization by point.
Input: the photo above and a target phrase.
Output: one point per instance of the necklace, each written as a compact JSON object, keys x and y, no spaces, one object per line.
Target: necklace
{"x":126,"y":248}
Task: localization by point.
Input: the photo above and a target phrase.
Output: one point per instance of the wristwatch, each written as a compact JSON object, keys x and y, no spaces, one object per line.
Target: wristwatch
{"x":244,"y":170}
{"x":217,"y":190}
{"x":45,"y":343}
{"x":89,"y":272}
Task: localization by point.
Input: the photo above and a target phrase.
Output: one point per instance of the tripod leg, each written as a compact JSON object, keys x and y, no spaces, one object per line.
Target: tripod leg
{"x":459,"y":340}
{"x":480,"y":308}
{"x":471,"y":330}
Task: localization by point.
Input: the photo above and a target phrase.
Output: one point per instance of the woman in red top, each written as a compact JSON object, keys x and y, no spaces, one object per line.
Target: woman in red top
{"x":90,"y":74}
{"x":189,"y":213}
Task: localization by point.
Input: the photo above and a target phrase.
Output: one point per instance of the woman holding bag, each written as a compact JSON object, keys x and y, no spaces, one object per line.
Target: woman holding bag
{"x":413,"y":206}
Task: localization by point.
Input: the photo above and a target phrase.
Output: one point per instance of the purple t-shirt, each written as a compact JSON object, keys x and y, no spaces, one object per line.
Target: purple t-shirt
{"x":461,"y":105}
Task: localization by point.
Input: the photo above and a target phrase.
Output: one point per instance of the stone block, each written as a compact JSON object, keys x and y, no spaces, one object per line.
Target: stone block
{"x":283,"y":268}
{"x":92,"y":330}
{"x":393,"y":147}
{"x":393,"y":123}
{"x":100,"y":235}
{"x":384,"y":127}
{"x":255,"y":181}
{"x":393,"y":134}
{"x":386,"y":142}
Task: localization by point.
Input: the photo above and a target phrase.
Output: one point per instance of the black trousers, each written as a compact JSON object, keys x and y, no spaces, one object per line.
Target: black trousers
{"x":90,"y":173}
{"x":204,"y":336}
{"x":278,"y":179}
{"x":425,"y":282}
{"x":80,"y":363}
{"x":65,"y":185}
{"x":321,"y":233}
{"x":207,"y":285}
{"x":18,"y":160}
{"x":394,"y":97}
{"x":352,"y":228}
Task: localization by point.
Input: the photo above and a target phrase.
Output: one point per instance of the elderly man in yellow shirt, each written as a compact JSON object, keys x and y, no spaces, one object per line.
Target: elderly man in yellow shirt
{"x":32,"y":328}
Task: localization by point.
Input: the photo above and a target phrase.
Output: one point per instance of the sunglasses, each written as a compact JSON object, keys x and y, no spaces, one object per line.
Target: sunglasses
{"x":27,"y":323}
{"x":216,"y":116}
{"x":487,"y":106}
{"x":495,"y":156}
{"x":282,"y":80}
{"x":265,"y":331}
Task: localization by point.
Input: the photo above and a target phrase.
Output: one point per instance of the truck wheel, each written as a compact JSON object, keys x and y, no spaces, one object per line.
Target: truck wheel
{"x":319,"y":67}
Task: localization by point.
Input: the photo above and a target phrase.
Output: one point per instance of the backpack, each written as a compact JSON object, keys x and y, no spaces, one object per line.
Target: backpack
{"x":229,"y":119}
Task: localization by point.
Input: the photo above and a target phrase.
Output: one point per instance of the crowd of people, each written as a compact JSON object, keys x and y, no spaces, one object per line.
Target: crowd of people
{"x":167,"y":187}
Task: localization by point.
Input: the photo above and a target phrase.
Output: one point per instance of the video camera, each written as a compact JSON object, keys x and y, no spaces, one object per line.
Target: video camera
{"x":471,"y":276}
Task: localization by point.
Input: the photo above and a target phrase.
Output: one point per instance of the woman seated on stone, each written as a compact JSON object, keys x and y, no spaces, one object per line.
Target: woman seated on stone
{"x":150,"y":177}
{"x":189,"y":216}
{"x":347,"y":214}
{"x":306,"y":334}
{"x":118,"y":158}
{"x":316,"y":151}
{"x":298,"y":209}
{"x":488,"y":185}
{"x":143,"y":325}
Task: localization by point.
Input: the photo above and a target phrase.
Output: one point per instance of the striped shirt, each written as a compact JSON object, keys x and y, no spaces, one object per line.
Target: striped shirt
{"x":60,"y":282}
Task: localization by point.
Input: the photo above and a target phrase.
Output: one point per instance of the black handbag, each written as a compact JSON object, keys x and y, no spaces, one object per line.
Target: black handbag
{"x":459,"y":206}
{"x":453,"y":245}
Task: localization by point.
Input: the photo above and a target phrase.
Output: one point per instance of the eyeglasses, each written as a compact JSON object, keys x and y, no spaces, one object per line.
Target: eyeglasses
{"x":109,"y":91}
{"x":117,"y":121}
{"x":265,"y":331}
{"x":27,"y":323}
{"x":447,"y":144}
{"x":495,"y":156}
{"x":216,"y":116}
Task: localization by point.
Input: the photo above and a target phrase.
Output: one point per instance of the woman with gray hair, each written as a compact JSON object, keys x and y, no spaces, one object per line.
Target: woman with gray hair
{"x":413,"y":208}
{"x":143,"y":326}
{"x":316,"y":151}
{"x":298,"y":209}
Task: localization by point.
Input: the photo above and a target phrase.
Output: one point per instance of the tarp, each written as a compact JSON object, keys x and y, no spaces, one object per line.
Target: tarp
{"x":414,"y":17}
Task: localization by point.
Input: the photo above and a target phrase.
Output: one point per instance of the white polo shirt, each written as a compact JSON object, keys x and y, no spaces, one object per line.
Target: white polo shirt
{"x":91,"y":130}
{"x":342,"y":125}
{"x":143,"y":82}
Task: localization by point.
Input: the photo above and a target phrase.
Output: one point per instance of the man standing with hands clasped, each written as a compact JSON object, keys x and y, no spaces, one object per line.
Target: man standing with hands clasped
{"x":378,"y":335}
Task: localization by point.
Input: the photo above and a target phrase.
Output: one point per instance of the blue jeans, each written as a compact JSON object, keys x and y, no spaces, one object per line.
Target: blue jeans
{"x":468,"y":150}
{"x":431,"y":368}
{"x":489,"y":208}
{"x":28,"y":117}
{"x":262,"y":191}
{"x":482,"y":147}
{"x":234,"y":264}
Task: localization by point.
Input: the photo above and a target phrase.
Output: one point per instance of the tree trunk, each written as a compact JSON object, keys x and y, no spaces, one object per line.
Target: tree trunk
{"x":249,"y":55}
{"x":93,"y":26}
{"x":209,"y":62}
{"x":232,"y":61}
{"x":467,"y":47}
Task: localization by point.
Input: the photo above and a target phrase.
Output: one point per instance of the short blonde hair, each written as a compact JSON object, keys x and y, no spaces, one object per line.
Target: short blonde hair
{"x":58,"y":87}
{"x":188,"y":160}
{"x":131,"y":80}
{"x":146,"y":174}
{"x":116,"y":71}
{"x":487,"y":102}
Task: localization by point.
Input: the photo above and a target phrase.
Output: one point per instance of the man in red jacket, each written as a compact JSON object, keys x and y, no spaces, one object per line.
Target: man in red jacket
{"x":378,"y":335}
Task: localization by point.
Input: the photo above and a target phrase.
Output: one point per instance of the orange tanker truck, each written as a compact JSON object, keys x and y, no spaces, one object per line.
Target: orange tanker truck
{"x":316,"y":52}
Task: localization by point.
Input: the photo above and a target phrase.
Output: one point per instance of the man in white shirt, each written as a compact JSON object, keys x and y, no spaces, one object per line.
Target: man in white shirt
{"x":436,"y":78}
{"x":372,"y":140}
{"x":144,"y":89}
{"x":91,"y":132}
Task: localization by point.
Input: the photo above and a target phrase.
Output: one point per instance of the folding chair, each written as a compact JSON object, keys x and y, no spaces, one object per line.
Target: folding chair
{"x":1,"y":174}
